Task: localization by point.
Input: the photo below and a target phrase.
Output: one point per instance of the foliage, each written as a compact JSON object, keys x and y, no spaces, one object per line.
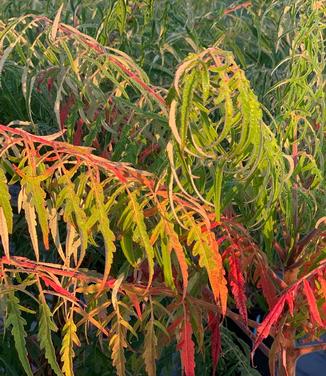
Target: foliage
{"x":161,"y":173}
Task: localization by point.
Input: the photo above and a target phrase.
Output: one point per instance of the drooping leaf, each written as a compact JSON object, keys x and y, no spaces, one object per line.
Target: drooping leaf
{"x":214,"y":326}
{"x":187,"y":348}
{"x":315,"y":316}
{"x":70,"y":339}
{"x":17,"y":322}
{"x":267,"y":286}
{"x":271,"y":318}
{"x":104,"y":227}
{"x":117,"y":344}
{"x":175,"y":244}
{"x":4,"y":233}
{"x":141,"y":231}
{"x":46,"y":326}
{"x":237,"y":283}
{"x":5,"y":201}
{"x":36,"y":200}
{"x":150,"y":349}
{"x":205,"y":246}
{"x":56,"y":23}
{"x":31,"y":221}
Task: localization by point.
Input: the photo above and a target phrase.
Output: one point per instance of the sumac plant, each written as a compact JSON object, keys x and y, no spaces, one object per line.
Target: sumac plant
{"x":138,"y":219}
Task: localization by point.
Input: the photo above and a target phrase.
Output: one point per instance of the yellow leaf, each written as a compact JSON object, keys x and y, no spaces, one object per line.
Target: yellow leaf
{"x":56,"y":23}
{"x":4,"y":233}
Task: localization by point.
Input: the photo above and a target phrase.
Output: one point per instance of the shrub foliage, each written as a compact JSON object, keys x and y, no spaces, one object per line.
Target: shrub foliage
{"x":157,"y":182}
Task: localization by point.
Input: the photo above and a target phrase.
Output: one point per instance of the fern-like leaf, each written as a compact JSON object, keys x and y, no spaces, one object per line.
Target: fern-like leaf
{"x":67,"y":352}
{"x":117,"y":344}
{"x":17,"y":322}
{"x":46,"y":326}
{"x":150,"y":349}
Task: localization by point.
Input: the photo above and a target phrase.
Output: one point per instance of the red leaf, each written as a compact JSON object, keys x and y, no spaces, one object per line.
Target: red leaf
{"x":134,"y":300}
{"x":267,"y":286}
{"x":312,"y":303}
{"x":213,"y":324}
{"x":148,"y":151}
{"x":50,"y":83}
{"x":247,"y":4}
{"x":59,"y":289}
{"x":187,"y":348}
{"x":237,"y":284}
{"x":78,"y":133}
{"x":64,"y":111}
{"x":266,"y":326}
{"x":290,"y":301}
{"x":174,"y":324}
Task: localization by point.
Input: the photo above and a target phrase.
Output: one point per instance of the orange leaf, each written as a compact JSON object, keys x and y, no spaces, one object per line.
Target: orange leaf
{"x":176,"y":245}
{"x":216,"y":273}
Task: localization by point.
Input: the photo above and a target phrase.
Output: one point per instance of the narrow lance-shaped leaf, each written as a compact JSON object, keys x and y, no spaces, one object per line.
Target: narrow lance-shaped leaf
{"x":104,"y":227}
{"x":175,"y":244}
{"x":205,"y":246}
{"x":187,"y":96}
{"x":31,"y":220}
{"x":138,"y":218}
{"x":58,"y":288}
{"x":17,"y":322}
{"x":272,"y":317}
{"x":4,"y":235}
{"x":150,"y":349}
{"x":187,"y":348}
{"x":67,"y":352}
{"x":315,"y":316}
{"x":5,"y":200}
{"x":118,"y":340}
{"x":74,"y":212}
{"x":237,"y":283}
{"x":56,"y":21}
{"x":267,"y":286}
{"x":36,"y":198}
{"x":117,"y":344}
{"x":5,"y":213}
{"x":46,"y":326}
{"x":214,"y":326}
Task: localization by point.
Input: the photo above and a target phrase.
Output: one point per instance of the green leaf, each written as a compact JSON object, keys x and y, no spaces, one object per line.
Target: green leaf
{"x":46,"y":326}
{"x":142,"y":233}
{"x":17,"y":322}
{"x":122,"y":15}
{"x":187,"y":96}
{"x":36,"y":197}
{"x":104,"y":227}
